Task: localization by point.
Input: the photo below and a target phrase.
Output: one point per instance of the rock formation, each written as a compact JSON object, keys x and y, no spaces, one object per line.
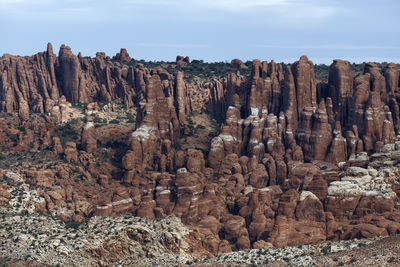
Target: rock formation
{"x":182,"y":61}
{"x":122,"y":55}
{"x":88,"y":136}
{"x":291,"y":159}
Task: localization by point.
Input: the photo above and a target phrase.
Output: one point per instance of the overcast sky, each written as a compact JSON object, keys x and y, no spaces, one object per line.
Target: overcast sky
{"x":212,"y":30}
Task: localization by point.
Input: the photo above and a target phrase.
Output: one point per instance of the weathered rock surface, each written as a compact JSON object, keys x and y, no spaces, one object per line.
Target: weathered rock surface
{"x":41,"y":240}
{"x":294,"y":160}
{"x":122,"y":55}
{"x":358,"y":252}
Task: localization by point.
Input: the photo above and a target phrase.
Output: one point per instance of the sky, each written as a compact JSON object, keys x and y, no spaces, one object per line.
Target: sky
{"x":211,"y":30}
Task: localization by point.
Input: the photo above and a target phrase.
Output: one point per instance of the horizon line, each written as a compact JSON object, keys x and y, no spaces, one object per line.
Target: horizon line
{"x":315,"y":60}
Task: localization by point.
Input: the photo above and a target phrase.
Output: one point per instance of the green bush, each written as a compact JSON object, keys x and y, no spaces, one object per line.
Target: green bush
{"x":97,"y":119}
{"x":74,"y":121}
{"x":114,"y":121}
{"x":22,"y":129}
{"x":326,"y":249}
{"x":131,"y":118}
{"x":72,"y":224}
{"x":67,"y":130}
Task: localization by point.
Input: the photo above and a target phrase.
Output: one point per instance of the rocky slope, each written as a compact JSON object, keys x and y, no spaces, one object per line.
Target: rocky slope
{"x":272,"y":158}
{"x":38,"y":240}
{"x":359,"y":252}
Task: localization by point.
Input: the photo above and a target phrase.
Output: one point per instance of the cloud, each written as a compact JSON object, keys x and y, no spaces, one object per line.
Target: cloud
{"x":10,"y":1}
{"x":166,"y":45}
{"x":45,"y":11}
{"x":285,"y":9}
{"x":219,"y":4}
{"x":20,"y":6}
{"x":330,"y":46}
{"x":238,"y":5}
{"x":19,"y":2}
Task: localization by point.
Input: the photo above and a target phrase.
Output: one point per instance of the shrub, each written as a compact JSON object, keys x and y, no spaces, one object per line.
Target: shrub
{"x":177,"y":146}
{"x":131,"y":118}
{"x":97,"y":119}
{"x":72,"y":224}
{"x":125,"y":184}
{"x":115,"y":121}
{"x":326,"y":249}
{"x":74,"y":121}
{"x":361,"y":245}
{"x":22,"y":129}
{"x":67,"y":131}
